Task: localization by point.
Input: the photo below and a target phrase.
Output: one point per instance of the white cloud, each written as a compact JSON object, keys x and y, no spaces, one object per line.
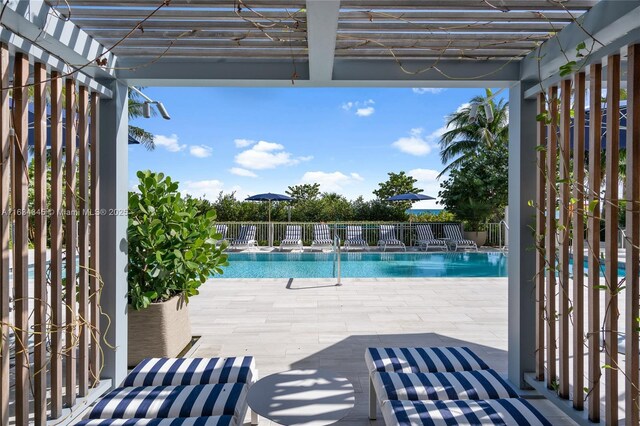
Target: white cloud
{"x":463,"y":106}
{"x":264,"y":146}
{"x":424,"y":90}
{"x":362,"y":108}
{"x":414,"y":144}
{"x":331,"y":181}
{"x":200,"y":151}
{"x":424,"y":175}
{"x":208,"y":189}
{"x":242,"y":172}
{"x":347,"y":106}
{"x":170,"y":143}
{"x":365,"y":112}
{"x":242,"y":143}
{"x":267,"y":155}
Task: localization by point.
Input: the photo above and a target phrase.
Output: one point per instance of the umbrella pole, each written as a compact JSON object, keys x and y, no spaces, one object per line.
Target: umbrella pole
{"x":270,"y":229}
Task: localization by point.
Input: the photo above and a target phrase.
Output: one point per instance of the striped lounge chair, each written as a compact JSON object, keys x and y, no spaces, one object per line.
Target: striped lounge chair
{"x":426,"y":239}
{"x":246,"y":238}
{"x":417,"y":360}
{"x":321,"y":237}
{"x":166,"y":390}
{"x":292,"y":238}
{"x":509,"y":411}
{"x":222,"y":230}
{"x":447,"y":385}
{"x":388,"y":238}
{"x":355,"y":238}
{"x":456,"y":240}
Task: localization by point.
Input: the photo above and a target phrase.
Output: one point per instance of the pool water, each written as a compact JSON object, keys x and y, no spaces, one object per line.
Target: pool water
{"x":365,"y":265}
{"x":371,"y":265}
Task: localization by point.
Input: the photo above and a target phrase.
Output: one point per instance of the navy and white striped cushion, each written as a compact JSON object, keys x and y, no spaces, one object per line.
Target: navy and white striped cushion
{"x":506,"y":412}
{"x":453,"y":232}
{"x":423,"y":360}
{"x":172,"y":401}
{"x":321,"y":234}
{"x":180,"y":421}
{"x":388,"y":233}
{"x":424,"y":233}
{"x":293,"y":233}
{"x":191,"y":371}
{"x":478,"y":384}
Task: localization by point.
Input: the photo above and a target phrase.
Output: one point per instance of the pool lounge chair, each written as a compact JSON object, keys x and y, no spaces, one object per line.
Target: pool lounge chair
{"x":388,"y":238}
{"x":321,"y":237}
{"x":427,"y":240}
{"x":355,"y":238}
{"x":456,"y":240}
{"x":246,"y":238}
{"x":292,"y":238}
{"x":222,"y":230}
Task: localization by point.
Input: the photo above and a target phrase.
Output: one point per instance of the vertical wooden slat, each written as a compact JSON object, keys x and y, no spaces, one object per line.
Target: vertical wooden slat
{"x":5,"y":289}
{"x":94,"y":358}
{"x":40,"y":244}
{"x":578,"y":241}
{"x":563,"y":273}
{"x":71,"y":239}
{"x":550,"y":236}
{"x":83,"y":240}
{"x":56,"y":245}
{"x":21,"y":238}
{"x":632,"y":245}
{"x":540,"y":231}
{"x":593,"y":239}
{"x":611,"y":239}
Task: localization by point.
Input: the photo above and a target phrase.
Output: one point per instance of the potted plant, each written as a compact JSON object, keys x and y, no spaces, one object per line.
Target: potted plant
{"x":172,"y":252}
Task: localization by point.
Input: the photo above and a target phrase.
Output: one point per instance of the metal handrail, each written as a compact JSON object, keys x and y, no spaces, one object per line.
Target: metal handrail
{"x":337,"y":257}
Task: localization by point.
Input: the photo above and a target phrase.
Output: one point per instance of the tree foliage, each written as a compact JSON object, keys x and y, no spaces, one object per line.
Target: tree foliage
{"x":477,"y":191}
{"x":171,"y":242}
{"x":135,"y":106}
{"x":304,"y":192}
{"x":467,"y":137}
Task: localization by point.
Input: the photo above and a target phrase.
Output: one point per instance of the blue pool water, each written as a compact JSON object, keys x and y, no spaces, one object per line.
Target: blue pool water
{"x":370,"y":265}
{"x":365,"y":265}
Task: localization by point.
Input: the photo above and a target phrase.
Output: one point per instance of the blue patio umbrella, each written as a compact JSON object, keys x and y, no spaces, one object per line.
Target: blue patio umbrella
{"x":410,"y":197}
{"x":270,"y":197}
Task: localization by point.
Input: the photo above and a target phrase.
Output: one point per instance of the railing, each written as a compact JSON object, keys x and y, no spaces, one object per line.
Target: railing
{"x":405,"y":231}
{"x":497,"y":234}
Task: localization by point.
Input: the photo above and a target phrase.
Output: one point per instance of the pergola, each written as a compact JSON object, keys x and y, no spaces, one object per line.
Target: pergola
{"x":536,"y":48}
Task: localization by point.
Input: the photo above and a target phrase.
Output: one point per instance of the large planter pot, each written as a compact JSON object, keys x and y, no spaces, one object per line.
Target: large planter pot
{"x":161,"y":330}
{"x":480,"y":237}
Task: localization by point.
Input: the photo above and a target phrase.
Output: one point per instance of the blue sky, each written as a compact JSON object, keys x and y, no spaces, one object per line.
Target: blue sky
{"x":253,"y":140}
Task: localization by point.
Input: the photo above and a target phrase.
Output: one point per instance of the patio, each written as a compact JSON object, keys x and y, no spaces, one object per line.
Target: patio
{"x":307,"y":323}
{"x":547,"y":52}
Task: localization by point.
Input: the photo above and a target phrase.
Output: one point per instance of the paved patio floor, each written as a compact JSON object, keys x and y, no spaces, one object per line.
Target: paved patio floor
{"x":307,"y":323}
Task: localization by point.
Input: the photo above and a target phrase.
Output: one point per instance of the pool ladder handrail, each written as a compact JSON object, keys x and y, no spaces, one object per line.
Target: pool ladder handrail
{"x":337,"y":260}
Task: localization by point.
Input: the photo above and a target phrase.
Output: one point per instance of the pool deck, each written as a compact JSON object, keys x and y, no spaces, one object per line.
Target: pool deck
{"x":311,"y":323}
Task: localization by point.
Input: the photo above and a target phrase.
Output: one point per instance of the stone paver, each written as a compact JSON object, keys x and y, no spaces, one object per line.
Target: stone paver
{"x":317,"y":325}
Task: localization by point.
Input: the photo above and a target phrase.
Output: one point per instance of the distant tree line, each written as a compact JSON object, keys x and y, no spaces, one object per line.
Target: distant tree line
{"x":312,"y":205}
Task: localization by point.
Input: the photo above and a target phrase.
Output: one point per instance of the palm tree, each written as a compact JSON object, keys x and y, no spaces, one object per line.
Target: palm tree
{"x":135,"y":111}
{"x":467,"y":137}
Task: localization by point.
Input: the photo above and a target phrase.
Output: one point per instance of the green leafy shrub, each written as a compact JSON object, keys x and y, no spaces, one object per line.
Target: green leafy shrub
{"x":172,"y":242}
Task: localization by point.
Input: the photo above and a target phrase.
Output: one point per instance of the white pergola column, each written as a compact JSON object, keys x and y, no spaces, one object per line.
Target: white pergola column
{"x":522,"y":254}
{"x":114,"y":201}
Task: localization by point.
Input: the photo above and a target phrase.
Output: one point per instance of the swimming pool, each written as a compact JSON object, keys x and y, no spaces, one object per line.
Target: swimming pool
{"x":365,"y":265}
